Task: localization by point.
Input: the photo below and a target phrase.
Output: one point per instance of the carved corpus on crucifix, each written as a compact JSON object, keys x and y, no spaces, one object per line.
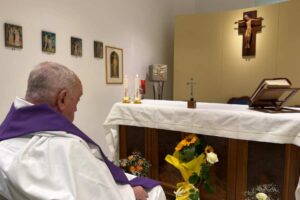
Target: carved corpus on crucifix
{"x":249,"y":26}
{"x":191,"y":103}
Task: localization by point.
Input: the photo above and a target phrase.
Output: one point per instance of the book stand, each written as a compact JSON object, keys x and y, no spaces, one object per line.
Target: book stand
{"x":271,"y":100}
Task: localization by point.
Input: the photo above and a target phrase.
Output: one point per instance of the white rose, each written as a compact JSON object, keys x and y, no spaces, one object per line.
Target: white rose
{"x":212,"y":158}
{"x":261,"y":196}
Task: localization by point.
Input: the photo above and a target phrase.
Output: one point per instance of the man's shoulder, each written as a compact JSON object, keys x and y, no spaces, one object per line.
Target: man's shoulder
{"x":55,"y":145}
{"x":57,"y":135}
{"x":62,"y":138}
{"x":53,"y":139}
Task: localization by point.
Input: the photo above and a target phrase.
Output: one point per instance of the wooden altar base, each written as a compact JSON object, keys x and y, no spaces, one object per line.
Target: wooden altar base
{"x":242,"y":164}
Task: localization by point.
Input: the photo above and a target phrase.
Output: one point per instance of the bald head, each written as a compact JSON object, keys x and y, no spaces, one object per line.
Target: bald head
{"x":50,"y":83}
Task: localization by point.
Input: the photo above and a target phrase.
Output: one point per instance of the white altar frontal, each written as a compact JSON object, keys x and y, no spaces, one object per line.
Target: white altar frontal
{"x":240,"y":132}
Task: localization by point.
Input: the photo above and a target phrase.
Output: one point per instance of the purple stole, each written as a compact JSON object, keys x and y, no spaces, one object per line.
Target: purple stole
{"x":39,"y":118}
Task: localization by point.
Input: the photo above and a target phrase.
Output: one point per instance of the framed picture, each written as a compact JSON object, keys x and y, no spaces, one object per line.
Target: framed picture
{"x":76,"y":46}
{"x":48,"y":42}
{"x":114,"y":65}
{"x":13,"y":36}
{"x":98,"y":49}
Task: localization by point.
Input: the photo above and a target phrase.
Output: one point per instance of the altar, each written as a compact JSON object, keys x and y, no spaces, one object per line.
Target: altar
{"x":254,"y":148}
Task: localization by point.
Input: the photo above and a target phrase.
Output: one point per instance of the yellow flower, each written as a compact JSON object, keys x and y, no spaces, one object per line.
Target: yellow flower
{"x":208,"y":149}
{"x":191,"y":139}
{"x":180,"y":145}
{"x":187,"y":141}
{"x":187,"y":169}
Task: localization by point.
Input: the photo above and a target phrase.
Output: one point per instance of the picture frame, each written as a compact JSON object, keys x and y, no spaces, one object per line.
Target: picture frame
{"x":114,"y":65}
{"x":76,"y":46}
{"x":13,"y":36}
{"x":48,"y":42}
{"x":98,"y":49}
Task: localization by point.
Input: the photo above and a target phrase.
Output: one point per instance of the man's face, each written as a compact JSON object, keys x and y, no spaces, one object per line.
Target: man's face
{"x":72,"y":100}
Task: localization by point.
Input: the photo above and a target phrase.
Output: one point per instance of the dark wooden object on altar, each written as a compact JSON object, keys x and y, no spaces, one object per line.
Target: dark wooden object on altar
{"x":256,"y":27}
{"x":192,"y":103}
{"x":242,"y":164}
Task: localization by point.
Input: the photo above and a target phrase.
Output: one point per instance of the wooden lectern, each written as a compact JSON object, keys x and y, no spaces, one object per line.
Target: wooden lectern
{"x":271,"y":94}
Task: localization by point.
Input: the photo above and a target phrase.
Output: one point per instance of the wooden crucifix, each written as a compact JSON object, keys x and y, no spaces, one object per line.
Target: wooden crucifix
{"x":249,"y":26}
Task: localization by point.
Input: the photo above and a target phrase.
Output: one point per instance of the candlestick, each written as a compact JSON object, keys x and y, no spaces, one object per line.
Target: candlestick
{"x":126,"y":86}
{"x":137,"y":98}
{"x":126,"y":98}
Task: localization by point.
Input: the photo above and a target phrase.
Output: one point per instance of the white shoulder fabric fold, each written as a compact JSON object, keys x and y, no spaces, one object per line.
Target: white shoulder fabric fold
{"x":2,"y":198}
{"x":4,"y":191}
{"x":61,"y":168}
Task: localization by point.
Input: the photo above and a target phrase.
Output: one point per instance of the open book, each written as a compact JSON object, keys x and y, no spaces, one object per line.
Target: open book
{"x":271,"y":94}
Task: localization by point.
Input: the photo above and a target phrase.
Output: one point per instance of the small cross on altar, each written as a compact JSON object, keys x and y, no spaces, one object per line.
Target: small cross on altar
{"x":249,"y":26}
{"x":191,"y":102}
{"x":191,"y":83}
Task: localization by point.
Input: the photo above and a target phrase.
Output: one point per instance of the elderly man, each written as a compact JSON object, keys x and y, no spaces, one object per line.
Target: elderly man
{"x":43,"y":155}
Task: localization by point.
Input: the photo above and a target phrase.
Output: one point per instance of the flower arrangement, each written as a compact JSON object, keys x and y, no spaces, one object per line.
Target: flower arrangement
{"x":263,"y":192}
{"x":193,"y":159}
{"x":135,"y":164}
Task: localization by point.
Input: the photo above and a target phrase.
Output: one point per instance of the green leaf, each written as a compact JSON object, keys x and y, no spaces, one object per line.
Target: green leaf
{"x":204,"y":175}
{"x":187,"y":154}
{"x":208,"y":188}
{"x":194,"y":179}
{"x":194,"y":195}
{"x":199,"y":147}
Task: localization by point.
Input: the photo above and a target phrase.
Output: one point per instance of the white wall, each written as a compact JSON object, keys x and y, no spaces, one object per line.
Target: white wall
{"x":204,"y":6}
{"x":143,"y":28}
{"x":184,"y":7}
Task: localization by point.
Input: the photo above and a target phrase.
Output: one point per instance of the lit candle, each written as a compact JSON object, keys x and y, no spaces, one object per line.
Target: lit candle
{"x":126,"y":98}
{"x":137,"y":87}
{"x":126,"y":84}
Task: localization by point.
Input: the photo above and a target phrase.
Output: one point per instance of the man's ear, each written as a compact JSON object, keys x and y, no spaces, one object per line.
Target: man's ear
{"x":61,"y":100}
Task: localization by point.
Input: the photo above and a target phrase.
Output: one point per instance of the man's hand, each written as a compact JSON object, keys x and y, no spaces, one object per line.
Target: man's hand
{"x":140,"y":193}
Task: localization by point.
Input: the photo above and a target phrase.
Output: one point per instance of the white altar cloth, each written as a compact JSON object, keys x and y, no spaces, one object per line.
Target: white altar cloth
{"x":221,"y":120}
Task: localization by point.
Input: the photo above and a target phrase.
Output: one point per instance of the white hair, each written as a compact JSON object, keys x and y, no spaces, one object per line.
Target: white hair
{"x":47,"y":79}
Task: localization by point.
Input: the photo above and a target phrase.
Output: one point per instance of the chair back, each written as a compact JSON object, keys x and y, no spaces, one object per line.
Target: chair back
{"x":244,"y":100}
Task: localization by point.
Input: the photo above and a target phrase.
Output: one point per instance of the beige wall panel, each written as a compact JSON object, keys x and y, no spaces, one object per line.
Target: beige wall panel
{"x":198,"y":55}
{"x":213,"y":55}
